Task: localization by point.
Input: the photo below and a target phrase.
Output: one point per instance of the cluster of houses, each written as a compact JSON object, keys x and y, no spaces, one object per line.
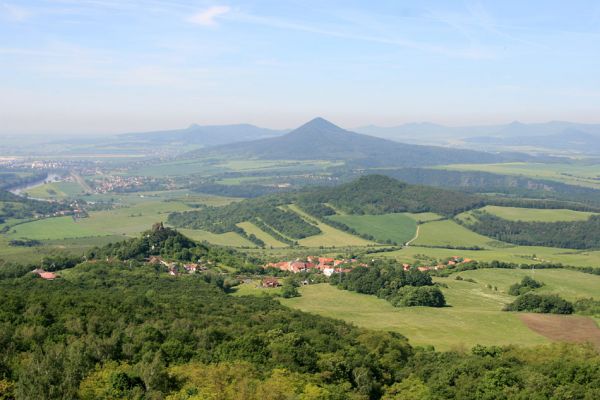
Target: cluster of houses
{"x":114,"y":182}
{"x":178,"y":268}
{"x":454,"y":260}
{"x":325,"y":265}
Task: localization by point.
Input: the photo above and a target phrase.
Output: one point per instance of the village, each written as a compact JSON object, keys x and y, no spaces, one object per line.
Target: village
{"x":329,"y":266}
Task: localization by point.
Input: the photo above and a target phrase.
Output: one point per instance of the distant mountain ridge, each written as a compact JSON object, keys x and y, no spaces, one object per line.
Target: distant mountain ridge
{"x":558,"y":135}
{"x":319,"y":139}
{"x":205,"y":135}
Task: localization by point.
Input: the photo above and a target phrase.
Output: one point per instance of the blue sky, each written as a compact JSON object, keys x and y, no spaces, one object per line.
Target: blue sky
{"x":106,"y":66}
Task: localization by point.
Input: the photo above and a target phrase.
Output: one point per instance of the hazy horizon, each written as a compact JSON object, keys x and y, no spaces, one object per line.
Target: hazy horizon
{"x":107,"y":67}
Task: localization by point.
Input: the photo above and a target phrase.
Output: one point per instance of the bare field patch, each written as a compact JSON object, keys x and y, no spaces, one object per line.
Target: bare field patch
{"x":564,"y":328}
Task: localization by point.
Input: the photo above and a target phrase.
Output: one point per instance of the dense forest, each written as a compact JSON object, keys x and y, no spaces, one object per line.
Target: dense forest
{"x":127,"y":330}
{"x":565,"y":234}
{"x":389,"y":281}
{"x":378,"y":194}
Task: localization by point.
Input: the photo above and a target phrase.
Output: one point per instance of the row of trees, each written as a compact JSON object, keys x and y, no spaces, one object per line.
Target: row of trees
{"x":261,"y":211}
{"x":541,"y":303}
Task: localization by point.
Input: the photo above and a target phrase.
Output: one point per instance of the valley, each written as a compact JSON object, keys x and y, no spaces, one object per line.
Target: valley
{"x":253,"y":226}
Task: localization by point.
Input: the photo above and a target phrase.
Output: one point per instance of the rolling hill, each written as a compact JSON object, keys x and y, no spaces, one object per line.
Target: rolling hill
{"x":319,"y":139}
{"x":205,"y":135}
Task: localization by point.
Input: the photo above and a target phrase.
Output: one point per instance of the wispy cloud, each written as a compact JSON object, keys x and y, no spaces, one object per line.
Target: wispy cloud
{"x":350,"y":34}
{"x":14,"y":13}
{"x":208,"y":17}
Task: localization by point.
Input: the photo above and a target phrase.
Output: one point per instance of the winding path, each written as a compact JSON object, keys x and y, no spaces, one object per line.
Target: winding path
{"x":415,"y":238}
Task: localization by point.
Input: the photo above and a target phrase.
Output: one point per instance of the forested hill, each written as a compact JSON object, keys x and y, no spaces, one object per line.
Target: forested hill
{"x":373,"y":194}
{"x":170,"y":244}
{"x":379,"y":194}
{"x":321,"y":140}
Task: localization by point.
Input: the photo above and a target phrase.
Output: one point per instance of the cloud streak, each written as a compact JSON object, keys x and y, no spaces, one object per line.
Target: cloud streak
{"x":208,"y":17}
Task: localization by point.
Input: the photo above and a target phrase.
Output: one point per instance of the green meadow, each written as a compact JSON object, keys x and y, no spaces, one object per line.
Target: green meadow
{"x":514,"y":254}
{"x":56,"y":190}
{"x":447,"y":233}
{"x":398,"y":228}
{"x":330,"y":236}
{"x":128,"y":221}
{"x":533,"y":214}
{"x":473,"y":315}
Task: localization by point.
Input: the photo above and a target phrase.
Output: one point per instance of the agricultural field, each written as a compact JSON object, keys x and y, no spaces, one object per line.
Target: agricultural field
{"x":127,"y":221}
{"x":34,"y":254}
{"x":398,"y":228}
{"x":269,"y":240}
{"x":533,"y":214}
{"x":56,"y":190}
{"x":447,"y":233}
{"x":574,"y":174}
{"x":222,"y":239}
{"x":473,"y":316}
{"x":329,"y":236}
{"x":514,"y":254}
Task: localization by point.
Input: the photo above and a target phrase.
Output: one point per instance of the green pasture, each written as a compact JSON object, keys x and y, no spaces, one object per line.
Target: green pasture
{"x":329,"y":236}
{"x":568,"y":284}
{"x":398,"y":228}
{"x":56,"y":190}
{"x":534,"y":214}
{"x":473,"y":317}
{"x":22,"y":255}
{"x":127,"y":221}
{"x":424,"y":217}
{"x":222,"y":239}
{"x":449,"y":233}
{"x":515,"y":254}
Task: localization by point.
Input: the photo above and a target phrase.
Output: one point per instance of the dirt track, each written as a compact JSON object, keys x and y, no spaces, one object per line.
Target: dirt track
{"x":563,"y":328}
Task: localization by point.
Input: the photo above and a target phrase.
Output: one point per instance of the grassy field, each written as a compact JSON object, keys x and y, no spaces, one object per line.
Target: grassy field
{"x":398,"y":228}
{"x":56,"y":190}
{"x":516,"y":254}
{"x":269,"y":240}
{"x":473,"y":318}
{"x":329,"y":236}
{"x":34,"y":254}
{"x":574,"y":174}
{"x":223,"y":239}
{"x":449,"y":233}
{"x":569,"y":284}
{"x":128,"y":221}
{"x":532,"y":214}
{"x":254,"y":289}
{"x":424,"y":217}
{"x":474,"y":314}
